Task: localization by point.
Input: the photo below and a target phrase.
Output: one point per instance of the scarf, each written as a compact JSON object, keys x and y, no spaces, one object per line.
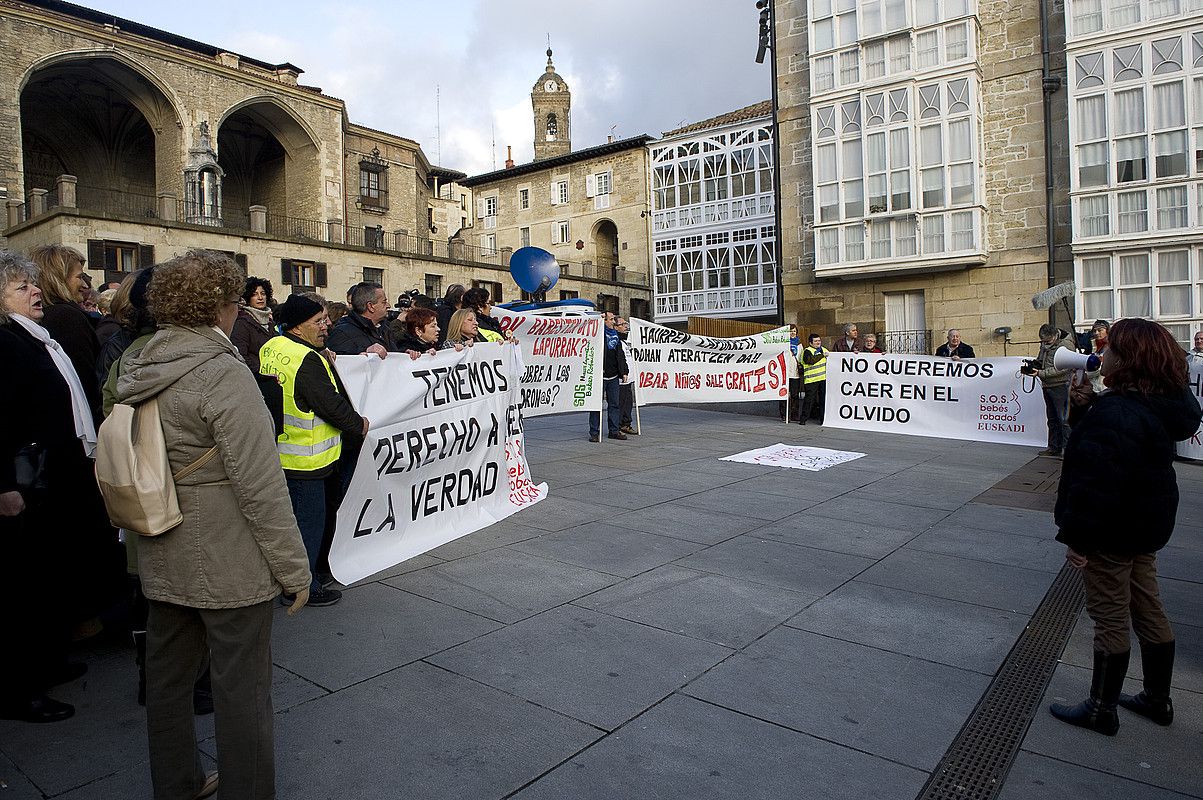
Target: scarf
{"x":85,"y":428}
{"x":263,"y":316}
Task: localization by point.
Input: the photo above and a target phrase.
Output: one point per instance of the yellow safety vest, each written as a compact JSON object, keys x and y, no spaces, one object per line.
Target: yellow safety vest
{"x":813,"y":373}
{"x":492,"y":336}
{"x":308,"y":442}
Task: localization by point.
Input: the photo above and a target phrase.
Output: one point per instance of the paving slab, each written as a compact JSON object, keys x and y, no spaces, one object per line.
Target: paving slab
{"x":577,"y":470}
{"x":587,"y":665}
{"x":805,"y":570}
{"x":605,"y":547}
{"x":978,"y":582}
{"x":14,"y":784}
{"x":1036,"y":777}
{"x":1177,"y":561}
{"x":501,"y":534}
{"x":891,"y":705}
{"x":682,"y":520}
{"x":840,"y":535}
{"x":624,"y":495}
{"x":716,"y":608}
{"x":504,"y":585}
{"x":421,"y":561}
{"x":1032,"y":552}
{"x":560,"y":513}
{"x":376,"y":628}
{"x":420,"y":731}
{"x":863,"y":507}
{"x":749,"y":502}
{"x":679,"y":479}
{"x":1141,"y":751}
{"x":684,"y":748}
{"x":945,"y":631}
{"x":1002,"y":519}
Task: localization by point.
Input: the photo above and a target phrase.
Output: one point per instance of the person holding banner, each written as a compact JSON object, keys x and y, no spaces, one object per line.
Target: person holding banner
{"x":626,"y":387}
{"x":316,"y":415}
{"x":954,"y":348}
{"x":421,"y":332}
{"x":1116,"y":507}
{"x":814,"y":378}
{"x":614,"y":370}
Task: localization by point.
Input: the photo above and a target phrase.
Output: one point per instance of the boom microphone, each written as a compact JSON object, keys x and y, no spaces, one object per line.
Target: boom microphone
{"x":1050,"y":296}
{"x":1065,"y":358}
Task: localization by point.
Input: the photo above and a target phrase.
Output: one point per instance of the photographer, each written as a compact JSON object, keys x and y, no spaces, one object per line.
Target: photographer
{"x":1055,"y":385}
{"x":1116,"y":507}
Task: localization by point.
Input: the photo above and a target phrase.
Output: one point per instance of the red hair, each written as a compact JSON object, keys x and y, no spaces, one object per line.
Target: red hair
{"x":1146,"y":358}
{"x":418,"y":318}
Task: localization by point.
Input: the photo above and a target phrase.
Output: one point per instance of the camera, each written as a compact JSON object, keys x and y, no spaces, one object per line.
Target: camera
{"x":1030,"y":366}
{"x":406,"y":299}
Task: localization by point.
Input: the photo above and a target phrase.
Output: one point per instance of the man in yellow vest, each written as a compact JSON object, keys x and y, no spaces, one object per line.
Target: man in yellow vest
{"x":814,"y":377}
{"x":316,"y":414}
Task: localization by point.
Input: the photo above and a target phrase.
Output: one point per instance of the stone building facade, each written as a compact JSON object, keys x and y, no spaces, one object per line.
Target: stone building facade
{"x":916,"y":192}
{"x":133,"y":144}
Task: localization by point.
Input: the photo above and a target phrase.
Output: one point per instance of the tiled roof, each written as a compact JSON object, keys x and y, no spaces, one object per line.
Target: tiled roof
{"x":761,"y":109}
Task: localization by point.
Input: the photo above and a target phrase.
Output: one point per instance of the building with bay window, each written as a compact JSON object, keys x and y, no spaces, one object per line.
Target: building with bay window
{"x":1136,"y":127}
{"x":712,"y":219}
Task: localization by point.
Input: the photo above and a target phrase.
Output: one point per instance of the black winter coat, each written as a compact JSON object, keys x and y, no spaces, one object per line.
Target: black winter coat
{"x":1118,"y":491}
{"x":75,"y":332}
{"x":353,"y":335}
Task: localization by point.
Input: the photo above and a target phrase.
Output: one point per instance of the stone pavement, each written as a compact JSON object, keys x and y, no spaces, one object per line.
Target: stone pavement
{"x":670,"y":625}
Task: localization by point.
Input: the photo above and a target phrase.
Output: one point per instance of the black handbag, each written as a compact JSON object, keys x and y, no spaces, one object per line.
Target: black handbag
{"x":29,"y":467}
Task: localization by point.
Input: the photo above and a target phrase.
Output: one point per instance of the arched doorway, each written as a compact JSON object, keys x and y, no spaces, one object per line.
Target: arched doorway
{"x":268,"y":159}
{"x":605,"y":244}
{"x":99,"y":119}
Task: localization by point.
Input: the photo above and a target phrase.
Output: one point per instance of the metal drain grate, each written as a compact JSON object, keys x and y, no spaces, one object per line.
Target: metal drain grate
{"x":980,"y":757}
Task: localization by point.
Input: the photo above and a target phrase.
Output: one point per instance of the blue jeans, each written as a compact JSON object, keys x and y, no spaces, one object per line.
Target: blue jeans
{"x":1056,"y":409}
{"x":309,"y":507}
{"x":613,"y":413}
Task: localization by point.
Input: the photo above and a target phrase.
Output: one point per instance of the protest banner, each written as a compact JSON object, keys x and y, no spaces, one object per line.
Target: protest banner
{"x":563,"y":357}
{"x":445,"y":454}
{"x":1193,"y":447}
{"x":670,"y":366}
{"x":811,"y":459}
{"x":980,"y":399}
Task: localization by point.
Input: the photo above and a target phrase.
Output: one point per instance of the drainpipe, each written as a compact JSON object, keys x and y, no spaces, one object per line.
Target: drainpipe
{"x":776,"y":128}
{"x":1050,"y":84}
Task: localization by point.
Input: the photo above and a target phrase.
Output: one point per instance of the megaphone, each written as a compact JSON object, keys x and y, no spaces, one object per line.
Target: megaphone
{"x":1065,"y":358}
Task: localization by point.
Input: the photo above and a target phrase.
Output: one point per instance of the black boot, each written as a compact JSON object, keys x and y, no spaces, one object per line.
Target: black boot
{"x":1154,"y":701}
{"x":140,"y":660}
{"x":1097,"y":712}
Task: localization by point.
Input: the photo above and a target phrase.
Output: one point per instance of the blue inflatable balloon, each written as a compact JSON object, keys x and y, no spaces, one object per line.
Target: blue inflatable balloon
{"x":534,"y":269}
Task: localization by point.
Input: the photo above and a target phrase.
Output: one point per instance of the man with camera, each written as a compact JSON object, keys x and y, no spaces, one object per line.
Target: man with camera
{"x":1055,"y":385}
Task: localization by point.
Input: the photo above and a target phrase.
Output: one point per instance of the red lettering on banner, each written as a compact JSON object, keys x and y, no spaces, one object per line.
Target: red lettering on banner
{"x":685,"y":380}
{"x":653,"y":380}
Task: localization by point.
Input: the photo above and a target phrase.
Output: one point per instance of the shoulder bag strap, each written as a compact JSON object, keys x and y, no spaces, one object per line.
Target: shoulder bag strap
{"x":195,"y":465}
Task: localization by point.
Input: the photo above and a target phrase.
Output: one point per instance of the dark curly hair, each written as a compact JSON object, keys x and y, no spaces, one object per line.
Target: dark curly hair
{"x":1145,"y":358}
{"x":476,"y":299}
{"x":190,"y":290}
{"x":253,"y":283}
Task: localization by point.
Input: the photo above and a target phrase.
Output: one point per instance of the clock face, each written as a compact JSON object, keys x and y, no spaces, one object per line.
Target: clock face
{"x":551,"y":86}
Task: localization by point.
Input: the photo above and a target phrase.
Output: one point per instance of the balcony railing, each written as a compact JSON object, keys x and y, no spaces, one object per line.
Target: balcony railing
{"x":913,"y":342}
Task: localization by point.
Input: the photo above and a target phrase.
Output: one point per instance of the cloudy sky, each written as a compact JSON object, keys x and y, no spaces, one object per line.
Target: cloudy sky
{"x":633,"y":66}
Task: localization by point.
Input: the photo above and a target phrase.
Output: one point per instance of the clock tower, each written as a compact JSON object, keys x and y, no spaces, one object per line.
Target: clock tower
{"x":551,"y":101}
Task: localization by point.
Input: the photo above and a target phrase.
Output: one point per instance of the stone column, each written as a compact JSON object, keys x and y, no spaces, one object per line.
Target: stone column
{"x":37,"y":202}
{"x":66,"y":191}
{"x":506,"y":252}
{"x":15,"y":212}
{"x":258,"y":219}
{"x":167,"y":207}
{"x":334,"y":231}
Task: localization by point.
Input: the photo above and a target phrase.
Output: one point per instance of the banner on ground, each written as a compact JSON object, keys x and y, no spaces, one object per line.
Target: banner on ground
{"x":669,"y":366}
{"x":811,"y":459}
{"x":563,"y":357}
{"x":980,"y":399}
{"x":1193,"y":447}
{"x":444,"y":456}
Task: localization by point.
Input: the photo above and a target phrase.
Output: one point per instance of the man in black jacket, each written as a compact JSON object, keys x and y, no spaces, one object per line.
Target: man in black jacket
{"x":360,"y":330}
{"x":614,"y":369}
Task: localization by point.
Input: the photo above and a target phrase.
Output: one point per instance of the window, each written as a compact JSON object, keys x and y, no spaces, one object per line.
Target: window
{"x":1124,"y":12}
{"x":956,"y":41}
{"x":927,"y":49}
{"x":488,"y":244}
{"x":900,"y":54}
{"x":493,"y":287}
{"x":875,"y":60}
{"x":373,"y":275}
{"x":118,"y":259}
{"x":1132,"y":212}
{"x":604,"y":181}
{"x":879,"y":238}
{"x":933,"y":234}
{"x":373,"y":237}
{"x":560,"y":233}
{"x":824,"y":73}
{"x":1096,"y":274}
{"x":568,"y":294}
{"x":1093,"y":215}
{"x":559,"y":193}
{"x":1173,"y":283}
{"x":1087,"y":16}
{"x":1135,"y":294}
{"x":433,"y":285}
{"x":303,"y":276}
{"x":1171,"y":208}
{"x":963,"y":237}
{"x":552,"y":127}
{"x":490,"y":206}
{"x":524,"y":199}
{"x":524,"y":237}
{"x":373,"y":183}
{"x":849,"y":67}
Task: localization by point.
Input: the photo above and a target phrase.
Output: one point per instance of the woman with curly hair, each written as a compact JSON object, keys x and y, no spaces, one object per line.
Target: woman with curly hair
{"x":1116,"y":507}
{"x":254,"y":325}
{"x":211,"y":580}
{"x":63,"y":283}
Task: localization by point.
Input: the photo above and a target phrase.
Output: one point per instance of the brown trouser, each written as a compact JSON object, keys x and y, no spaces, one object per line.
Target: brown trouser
{"x":239,"y":640}
{"x":1121,"y":590}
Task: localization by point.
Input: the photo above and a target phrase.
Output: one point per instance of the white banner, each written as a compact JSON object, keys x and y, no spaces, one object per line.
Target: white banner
{"x":674,"y":367}
{"x":444,"y":456}
{"x":1193,"y":447}
{"x":563,"y":357}
{"x":811,"y":459}
{"x":980,"y":399}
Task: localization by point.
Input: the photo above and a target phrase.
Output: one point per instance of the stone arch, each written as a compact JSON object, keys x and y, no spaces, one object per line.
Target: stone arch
{"x":103,"y":117}
{"x":269,"y":156}
{"x":605,"y":242}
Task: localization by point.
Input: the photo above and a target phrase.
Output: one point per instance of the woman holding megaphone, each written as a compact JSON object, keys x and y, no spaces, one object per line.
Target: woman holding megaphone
{"x":1116,"y":507}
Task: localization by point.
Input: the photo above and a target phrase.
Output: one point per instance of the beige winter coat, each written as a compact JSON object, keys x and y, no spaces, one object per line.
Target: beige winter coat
{"x":239,"y":542}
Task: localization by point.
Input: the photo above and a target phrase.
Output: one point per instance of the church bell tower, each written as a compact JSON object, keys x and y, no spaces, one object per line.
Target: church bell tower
{"x":551,"y":102}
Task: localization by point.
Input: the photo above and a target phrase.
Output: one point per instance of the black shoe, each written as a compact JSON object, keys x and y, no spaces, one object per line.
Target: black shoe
{"x":1097,"y":712}
{"x":618,"y":435}
{"x":593,"y":437}
{"x":324,"y":597}
{"x":65,"y":673}
{"x":325,"y":579}
{"x":629,"y":431}
{"x":38,"y":709}
{"x":1154,"y":702}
